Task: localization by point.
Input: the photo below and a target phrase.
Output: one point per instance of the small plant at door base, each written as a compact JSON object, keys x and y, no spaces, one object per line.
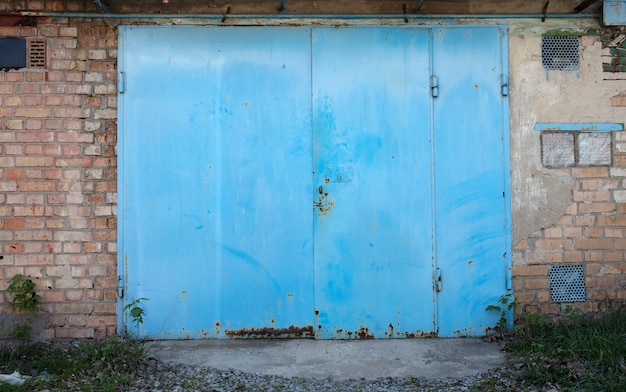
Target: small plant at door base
{"x":24,"y":300}
{"x":136,"y":312}
{"x":506,"y":304}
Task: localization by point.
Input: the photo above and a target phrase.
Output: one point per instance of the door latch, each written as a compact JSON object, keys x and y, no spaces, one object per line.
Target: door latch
{"x":434,"y":86}
{"x":438,"y":285}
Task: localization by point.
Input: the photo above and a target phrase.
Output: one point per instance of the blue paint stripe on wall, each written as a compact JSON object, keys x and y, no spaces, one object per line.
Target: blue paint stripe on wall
{"x":594,"y":127}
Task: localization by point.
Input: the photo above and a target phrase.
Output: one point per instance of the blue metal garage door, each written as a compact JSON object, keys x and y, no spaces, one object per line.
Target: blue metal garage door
{"x":372,"y":162}
{"x":286,"y":181}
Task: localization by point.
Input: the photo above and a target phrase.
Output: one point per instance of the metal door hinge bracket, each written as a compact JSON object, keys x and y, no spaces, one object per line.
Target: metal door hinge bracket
{"x":120,"y":287}
{"x":504,"y":79}
{"x":438,"y":285}
{"x":434,"y":86}
{"x":507,"y":278}
{"x":121,"y":83}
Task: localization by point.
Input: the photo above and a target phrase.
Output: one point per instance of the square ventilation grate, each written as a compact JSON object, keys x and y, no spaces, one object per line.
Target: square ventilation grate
{"x":36,"y":53}
{"x":560,"y":52}
{"x":567,"y":283}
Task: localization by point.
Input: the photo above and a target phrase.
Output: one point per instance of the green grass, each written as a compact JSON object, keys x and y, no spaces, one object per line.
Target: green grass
{"x":85,"y":366}
{"x":575,"y":354}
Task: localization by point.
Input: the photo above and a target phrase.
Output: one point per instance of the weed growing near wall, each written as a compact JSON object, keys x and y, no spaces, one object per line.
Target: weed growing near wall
{"x":24,"y":302}
{"x":579,"y":353}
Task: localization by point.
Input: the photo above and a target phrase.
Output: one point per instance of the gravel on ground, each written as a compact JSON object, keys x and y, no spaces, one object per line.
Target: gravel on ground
{"x":155,"y":376}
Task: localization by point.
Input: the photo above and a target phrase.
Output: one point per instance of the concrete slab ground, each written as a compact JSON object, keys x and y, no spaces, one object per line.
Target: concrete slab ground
{"x":337,"y":359}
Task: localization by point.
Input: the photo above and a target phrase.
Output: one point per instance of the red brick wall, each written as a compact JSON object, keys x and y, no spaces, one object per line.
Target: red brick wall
{"x":58,"y":175}
{"x":590,"y":233}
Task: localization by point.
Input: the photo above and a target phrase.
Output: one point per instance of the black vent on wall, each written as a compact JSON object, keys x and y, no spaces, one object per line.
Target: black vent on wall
{"x":12,"y":53}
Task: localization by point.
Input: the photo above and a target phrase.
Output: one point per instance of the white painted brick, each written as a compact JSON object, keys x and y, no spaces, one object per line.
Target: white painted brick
{"x":100,"y":89}
{"x":91,"y":126}
{"x":619,"y":196}
{"x":105,"y":114}
{"x":104,"y":211}
{"x":92,"y":150}
{"x":94,"y":174}
{"x":75,"y":198}
{"x":76,"y":236}
{"x":93,"y":77}
{"x":617,"y":172}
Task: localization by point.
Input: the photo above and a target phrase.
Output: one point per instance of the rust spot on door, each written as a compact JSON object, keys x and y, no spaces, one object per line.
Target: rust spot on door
{"x":271,"y":333}
{"x":420,"y":335}
{"x":364,"y":333}
{"x":323,"y":205}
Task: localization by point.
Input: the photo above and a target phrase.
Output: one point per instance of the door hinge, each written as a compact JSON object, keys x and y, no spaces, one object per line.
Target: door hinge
{"x":434,"y":86}
{"x":438,"y":285}
{"x":507,"y":278}
{"x":121,"y":83}
{"x":504,"y":79}
{"x":120,"y":287}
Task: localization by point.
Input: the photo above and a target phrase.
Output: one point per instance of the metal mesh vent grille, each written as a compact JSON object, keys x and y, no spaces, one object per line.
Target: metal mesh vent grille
{"x":567,"y":283}
{"x":36,"y":53}
{"x":560,"y":53}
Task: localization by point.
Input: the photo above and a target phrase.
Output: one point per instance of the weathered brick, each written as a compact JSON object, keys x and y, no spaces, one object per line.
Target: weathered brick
{"x":585,"y":220}
{"x":573,"y":256}
{"x":33,"y":112}
{"x":71,"y":149}
{"x":611,"y":232}
{"x":68,"y":31}
{"x":35,"y":137}
{"x":105,"y":114}
{"x":612,"y":220}
{"x":554,"y":244}
{"x":611,"y":256}
{"x":33,"y":149}
{"x":12,"y":101}
{"x":73,"y":162}
{"x":71,"y":112}
{"x":74,"y":333}
{"x":590,"y":208}
{"x":535,"y":284}
{"x":582,"y":172}
{"x":618,"y":100}
{"x":590,"y":196}
{"x":594,"y":232}
{"x":619,"y":160}
{"x":74,"y":137}
{"x":33,"y":124}
{"x":582,"y":243}
{"x":619,"y":196}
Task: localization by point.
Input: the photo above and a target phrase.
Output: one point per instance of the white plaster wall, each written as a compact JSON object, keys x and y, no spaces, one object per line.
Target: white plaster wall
{"x":540,"y":196}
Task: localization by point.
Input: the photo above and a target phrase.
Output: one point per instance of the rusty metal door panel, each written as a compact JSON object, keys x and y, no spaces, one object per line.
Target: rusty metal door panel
{"x":215,"y":180}
{"x":471,"y":176}
{"x":372,"y":183}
